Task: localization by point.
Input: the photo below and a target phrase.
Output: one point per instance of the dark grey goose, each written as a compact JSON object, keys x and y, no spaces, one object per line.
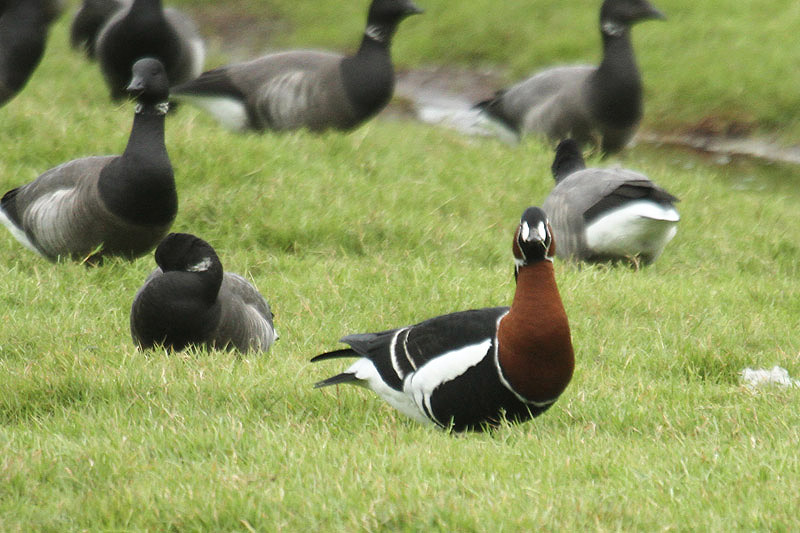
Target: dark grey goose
{"x":104,"y":205}
{"x":89,"y":19}
{"x":303,"y":88}
{"x":145,"y":29}
{"x":24,"y":26}
{"x":607,"y":214}
{"x":597,"y":105}
{"x":189,"y":301}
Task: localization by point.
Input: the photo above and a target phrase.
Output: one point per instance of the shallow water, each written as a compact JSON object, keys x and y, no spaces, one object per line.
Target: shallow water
{"x":446,"y":98}
{"x":741,"y":172}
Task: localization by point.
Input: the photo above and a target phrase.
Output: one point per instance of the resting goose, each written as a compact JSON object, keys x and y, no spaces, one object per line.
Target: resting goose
{"x":189,"y":301}
{"x":607,"y":214}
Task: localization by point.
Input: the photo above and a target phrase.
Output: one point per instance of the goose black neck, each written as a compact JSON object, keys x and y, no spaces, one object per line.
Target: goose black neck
{"x":566,"y":162}
{"x":618,"y":51}
{"x":146,"y":14}
{"x":379,"y":32}
{"x":369,"y":75}
{"x":139,"y":186}
{"x":146,"y":6}
{"x":617,"y":90}
{"x":205,"y":284}
{"x":147,"y":134}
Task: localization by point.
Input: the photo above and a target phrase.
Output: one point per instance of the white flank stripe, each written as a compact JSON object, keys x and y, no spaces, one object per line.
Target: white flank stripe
{"x":393,"y":353}
{"x":441,"y":369}
{"x":198,"y":56}
{"x":408,"y":355}
{"x":289,"y":97}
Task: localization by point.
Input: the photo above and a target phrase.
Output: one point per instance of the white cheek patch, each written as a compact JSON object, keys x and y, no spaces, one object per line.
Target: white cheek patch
{"x":524,"y":231}
{"x":541,"y":231}
{"x":202,"y":266}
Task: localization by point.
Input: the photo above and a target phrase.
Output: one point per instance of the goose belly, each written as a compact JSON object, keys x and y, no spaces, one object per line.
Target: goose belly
{"x":365,"y":370}
{"x":639,"y":228}
{"x":17,"y":232}
{"x":228,"y":111}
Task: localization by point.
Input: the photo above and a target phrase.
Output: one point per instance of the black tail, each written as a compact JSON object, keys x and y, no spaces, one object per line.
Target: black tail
{"x":344,"y":377}
{"x":493,"y":107}
{"x":9,"y":205}
{"x":489,"y":104}
{"x":344,"y":352}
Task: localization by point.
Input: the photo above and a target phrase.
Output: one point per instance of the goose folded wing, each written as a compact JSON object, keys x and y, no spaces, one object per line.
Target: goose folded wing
{"x":246,"y":319}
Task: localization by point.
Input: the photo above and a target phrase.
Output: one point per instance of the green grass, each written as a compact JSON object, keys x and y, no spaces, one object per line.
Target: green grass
{"x":385,"y":226}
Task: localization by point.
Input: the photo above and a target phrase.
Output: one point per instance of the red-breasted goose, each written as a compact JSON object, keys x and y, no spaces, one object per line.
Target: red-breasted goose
{"x":104,"y":205}
{"x":189,"y":301}
{"x":146,"y":29}
{"x":584,"y":102}
{"x":304,"y":88}
{"x":607,"y":214}
{"x":470,"y":370}
{"x":24,"y":25}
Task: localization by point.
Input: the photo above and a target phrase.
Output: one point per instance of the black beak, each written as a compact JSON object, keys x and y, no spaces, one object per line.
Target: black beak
{"x":413,"y":9}
{"x":136,"y":86}
{"x":654,"y":13}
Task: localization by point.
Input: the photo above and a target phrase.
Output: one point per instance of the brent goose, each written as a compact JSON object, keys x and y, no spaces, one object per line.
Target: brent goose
{"x":104,"y":205}
{"x":188,"y":300}
{"x":316,"y":90}
{"x":584,"y":102}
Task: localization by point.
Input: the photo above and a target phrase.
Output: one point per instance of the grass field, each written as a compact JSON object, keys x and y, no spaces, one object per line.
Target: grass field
{"x":385,"y":226}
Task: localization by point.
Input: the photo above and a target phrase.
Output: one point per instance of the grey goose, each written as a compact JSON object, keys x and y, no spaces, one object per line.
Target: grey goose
{"x":104,"y":205}
{"x":189,"y":301}
{"x":24,"y":26}
{"x":145,"y":29}
{"x":304,"y":88}
{"x":597,"y":105}
{"x":610,"y":214}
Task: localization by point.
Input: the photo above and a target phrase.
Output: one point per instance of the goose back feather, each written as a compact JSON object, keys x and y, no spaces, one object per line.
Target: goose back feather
{"x":305,"y":88}
{"x":145,"y":29}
